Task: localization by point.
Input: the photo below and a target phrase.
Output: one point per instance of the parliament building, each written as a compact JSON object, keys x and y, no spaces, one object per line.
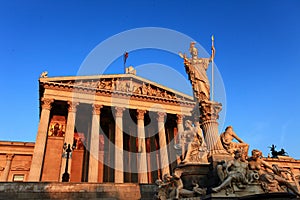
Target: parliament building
{"x":121,"y":128}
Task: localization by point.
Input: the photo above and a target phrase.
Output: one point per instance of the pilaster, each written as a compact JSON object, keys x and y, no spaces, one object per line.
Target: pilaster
{"x":5,"y":173}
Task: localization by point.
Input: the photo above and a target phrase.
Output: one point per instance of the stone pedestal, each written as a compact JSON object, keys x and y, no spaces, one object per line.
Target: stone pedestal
{"x":194,"y":173}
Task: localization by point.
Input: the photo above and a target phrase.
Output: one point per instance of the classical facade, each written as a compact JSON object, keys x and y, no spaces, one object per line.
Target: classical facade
{"x":115,"y":122}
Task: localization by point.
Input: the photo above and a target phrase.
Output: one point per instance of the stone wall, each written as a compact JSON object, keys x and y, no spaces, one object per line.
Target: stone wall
{"x":68,"y":191}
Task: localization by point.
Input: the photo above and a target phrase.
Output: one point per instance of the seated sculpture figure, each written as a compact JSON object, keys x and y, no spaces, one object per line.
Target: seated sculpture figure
{"x":191,"y":144}
{"x":228,"y":144}
{"x":236,"y":172}
{"x":270,"y":181}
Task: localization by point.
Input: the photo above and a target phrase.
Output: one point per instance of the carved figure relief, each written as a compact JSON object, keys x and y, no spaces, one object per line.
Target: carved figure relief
{"x":124,"y":85}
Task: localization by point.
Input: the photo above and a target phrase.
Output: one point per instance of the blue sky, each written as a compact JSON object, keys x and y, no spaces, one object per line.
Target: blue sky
{"x":257,"y":44}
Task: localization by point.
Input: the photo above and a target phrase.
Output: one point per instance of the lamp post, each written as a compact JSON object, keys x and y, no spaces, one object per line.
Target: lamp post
{"x":67,"y":154}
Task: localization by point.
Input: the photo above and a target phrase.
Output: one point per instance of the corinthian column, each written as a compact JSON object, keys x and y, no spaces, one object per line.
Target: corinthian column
{"x":180,"y":127}
{"x":5,"y":173}
{"x":164,"y":160}
{"x":119,"y":176}
{"x":40,"y":143}
{"x":69,"y":135}
{"x":209,"y":113}
{"x":94,"y":147}
{"x":142,"y":159}
{"x":180,"y":130}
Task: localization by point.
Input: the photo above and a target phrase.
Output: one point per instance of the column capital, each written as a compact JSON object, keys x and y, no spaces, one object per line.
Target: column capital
{"x":97,"y":109}
{"x":47,"y":103}
{"x":9,"y":157}
{"x":209,"y":110}
{"x":72,"y":106}
{"x":161,"y":116}
{"x":180,"y":118}
{"x":140,"y":114}
{"x":119,"y":111}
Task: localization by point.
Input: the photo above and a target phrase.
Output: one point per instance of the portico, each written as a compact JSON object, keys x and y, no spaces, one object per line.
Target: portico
{"x":123,"y":126}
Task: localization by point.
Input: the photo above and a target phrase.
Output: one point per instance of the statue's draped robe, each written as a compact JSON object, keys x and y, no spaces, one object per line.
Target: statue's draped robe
{"x":196,"y":68}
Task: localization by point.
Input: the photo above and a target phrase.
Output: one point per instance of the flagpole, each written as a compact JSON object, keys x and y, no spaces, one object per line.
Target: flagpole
{"x":125,"y":56}
{"x":212,"y":70}
{"x":124,"y":61}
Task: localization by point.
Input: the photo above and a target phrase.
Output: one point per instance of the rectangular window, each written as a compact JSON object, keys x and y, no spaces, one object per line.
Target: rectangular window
{"x":18,"y":178}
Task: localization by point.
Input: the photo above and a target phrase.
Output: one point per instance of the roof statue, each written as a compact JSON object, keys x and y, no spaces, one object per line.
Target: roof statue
{"x":275,"y":153}
{"x":44,"y":74}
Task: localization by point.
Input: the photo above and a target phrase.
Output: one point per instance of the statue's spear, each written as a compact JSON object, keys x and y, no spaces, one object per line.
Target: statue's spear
{"x":212,"y":69}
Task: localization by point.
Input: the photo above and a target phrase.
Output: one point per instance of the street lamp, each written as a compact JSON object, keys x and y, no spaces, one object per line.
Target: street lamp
{"x":67,"y":154}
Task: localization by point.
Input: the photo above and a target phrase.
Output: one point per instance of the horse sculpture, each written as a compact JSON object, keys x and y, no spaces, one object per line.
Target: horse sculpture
{"x":275,"y":153}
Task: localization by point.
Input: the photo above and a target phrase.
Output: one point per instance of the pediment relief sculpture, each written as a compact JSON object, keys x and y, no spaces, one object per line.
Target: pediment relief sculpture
{"x":131,"y":86}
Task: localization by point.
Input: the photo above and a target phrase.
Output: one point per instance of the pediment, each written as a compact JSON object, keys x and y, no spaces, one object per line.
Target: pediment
{"x":117,"y":84}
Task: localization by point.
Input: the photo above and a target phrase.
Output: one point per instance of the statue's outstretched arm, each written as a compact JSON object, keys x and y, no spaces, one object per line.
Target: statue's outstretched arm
{"x":237,"y":138}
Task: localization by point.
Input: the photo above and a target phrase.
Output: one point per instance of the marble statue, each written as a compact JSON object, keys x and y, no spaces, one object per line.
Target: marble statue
{"x":196,"y":69}
{"x":235,"y":172}
{"x":270,"y":181}
{"x":191,"y":145}
{"x":172,"y":187}
{"x":44,"y":74}
{"x":227,"y":138}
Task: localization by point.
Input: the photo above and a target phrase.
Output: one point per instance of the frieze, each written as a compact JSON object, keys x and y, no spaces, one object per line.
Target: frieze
{"x":118,"y":86}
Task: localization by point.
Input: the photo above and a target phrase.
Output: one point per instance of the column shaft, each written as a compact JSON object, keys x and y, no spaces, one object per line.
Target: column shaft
{"x":119,"y":164}
{"x":94,"y":145}
{"x":180,"y":130}
{"x":164,"y":160}
{"x":142,"y":159}
{"x":209,"y":113}
{"x":69,"y":135}
{"x":40,"y":143}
